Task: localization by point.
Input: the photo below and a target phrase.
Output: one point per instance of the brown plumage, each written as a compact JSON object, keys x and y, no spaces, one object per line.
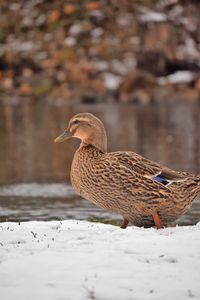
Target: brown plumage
{"x":145,"y":193}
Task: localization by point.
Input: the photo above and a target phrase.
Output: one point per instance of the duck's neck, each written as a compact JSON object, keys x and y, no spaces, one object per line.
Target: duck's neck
{"x":98,"y":139}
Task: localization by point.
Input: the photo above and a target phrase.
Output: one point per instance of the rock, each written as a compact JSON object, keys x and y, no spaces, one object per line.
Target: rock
{"x":95,"y":45}
{"x":6,"y":84}
{"x":137,"y":86}
{"x":24,"y":89}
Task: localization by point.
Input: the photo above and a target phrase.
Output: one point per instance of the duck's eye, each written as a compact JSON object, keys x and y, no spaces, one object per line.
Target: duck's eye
{"x":76,"y":122}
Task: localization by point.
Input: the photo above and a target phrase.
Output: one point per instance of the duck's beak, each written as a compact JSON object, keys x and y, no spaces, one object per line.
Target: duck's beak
{"x":64,"y":136}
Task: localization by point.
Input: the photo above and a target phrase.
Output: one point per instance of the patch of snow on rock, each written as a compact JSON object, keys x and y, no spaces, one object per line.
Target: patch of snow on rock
{"x":76,"y":29}
{"x":70,"y":41}
{"x":149,"y":15}
{"x":111,"y":81}
{"x":177,"y":77}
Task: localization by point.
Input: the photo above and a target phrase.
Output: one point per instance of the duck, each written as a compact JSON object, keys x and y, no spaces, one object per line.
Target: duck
{"x":143,"y":192}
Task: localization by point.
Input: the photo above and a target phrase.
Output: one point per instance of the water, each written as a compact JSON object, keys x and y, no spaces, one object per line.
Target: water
{"x":167,"y":133}
{"x":30,"y":201}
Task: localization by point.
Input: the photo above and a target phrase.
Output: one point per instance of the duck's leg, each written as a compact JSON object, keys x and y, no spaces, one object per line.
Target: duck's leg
{"x":124,"y":223}
{"x":157,"y":221}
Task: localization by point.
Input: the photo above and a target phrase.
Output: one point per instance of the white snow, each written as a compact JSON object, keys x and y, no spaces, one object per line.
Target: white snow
{"x":75,"y":29}
{"x":177,"y":77}
{"x":74,"y":260}
{"x":148,"y":15}
{"x":189,"y":50}
{"x":97,"y":32}
{"x":112,"y":81}
{"x":70,"y":41}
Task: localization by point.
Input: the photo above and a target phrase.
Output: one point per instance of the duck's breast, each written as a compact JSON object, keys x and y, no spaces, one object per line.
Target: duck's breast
{"x":84,"y":171}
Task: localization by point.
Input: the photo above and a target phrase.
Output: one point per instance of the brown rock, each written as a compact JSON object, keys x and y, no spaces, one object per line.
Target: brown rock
{"x":137,"y":84}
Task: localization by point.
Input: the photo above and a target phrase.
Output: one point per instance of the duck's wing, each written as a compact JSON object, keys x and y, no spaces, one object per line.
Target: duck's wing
{"x":148,"y":168}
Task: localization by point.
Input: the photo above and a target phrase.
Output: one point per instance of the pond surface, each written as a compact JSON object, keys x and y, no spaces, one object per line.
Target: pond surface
{"x":167,"y":133}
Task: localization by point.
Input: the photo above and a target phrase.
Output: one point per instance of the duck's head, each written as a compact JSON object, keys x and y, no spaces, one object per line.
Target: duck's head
{"x":88,"y":128}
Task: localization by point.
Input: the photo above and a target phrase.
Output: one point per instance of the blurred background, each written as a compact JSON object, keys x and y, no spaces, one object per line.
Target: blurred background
{"x":134,"y":64}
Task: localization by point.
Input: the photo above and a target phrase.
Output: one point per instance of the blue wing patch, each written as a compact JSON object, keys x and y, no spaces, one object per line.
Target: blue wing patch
{"x":161,"y":179}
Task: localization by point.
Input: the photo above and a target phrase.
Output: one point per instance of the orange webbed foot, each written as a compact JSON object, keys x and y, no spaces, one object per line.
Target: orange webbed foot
{"x":157,"y":221}
{"x":124,"y":224}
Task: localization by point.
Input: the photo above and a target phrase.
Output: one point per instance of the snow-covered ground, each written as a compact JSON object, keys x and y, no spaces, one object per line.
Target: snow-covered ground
{"x":74,"y":260}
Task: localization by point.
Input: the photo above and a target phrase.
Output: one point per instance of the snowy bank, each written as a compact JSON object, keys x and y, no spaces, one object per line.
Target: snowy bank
{"x":74,"y":260}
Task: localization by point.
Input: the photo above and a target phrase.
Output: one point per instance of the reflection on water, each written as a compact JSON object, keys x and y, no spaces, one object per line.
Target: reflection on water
{"x":167,"y":133}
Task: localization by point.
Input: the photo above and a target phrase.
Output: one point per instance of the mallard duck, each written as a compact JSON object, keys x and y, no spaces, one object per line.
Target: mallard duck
{"x":143,"y":192}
